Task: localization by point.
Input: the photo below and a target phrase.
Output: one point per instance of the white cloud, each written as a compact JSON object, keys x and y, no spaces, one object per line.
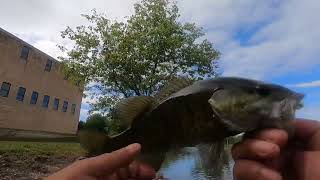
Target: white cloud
{"x":307,"y":84}
{"x":40,"y":22}
{"x":287,"y":45}
{"x":285,"y":41}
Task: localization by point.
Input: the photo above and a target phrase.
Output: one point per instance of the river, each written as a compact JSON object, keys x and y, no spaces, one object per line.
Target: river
{"x":197,"y":164}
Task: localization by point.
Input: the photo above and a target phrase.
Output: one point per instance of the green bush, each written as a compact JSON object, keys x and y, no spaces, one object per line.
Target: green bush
{"x":95,"y":122}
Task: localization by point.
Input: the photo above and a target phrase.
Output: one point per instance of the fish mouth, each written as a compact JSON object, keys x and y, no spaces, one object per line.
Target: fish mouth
{"x":298,"y":97}
{"x":289,"y":106}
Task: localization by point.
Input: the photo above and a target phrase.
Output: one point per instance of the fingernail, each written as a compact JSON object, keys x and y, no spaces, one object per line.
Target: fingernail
{"x":268,"y":149}
{"x":269,"y":174}
{"x":133,"y":148}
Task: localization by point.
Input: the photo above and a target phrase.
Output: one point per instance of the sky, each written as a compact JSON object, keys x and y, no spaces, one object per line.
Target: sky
{"x":274,"y":41}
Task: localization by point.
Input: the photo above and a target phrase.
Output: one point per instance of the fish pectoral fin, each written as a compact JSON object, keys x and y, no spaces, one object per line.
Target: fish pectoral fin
{"x":233,"y":126}
{"x":129,"y":108}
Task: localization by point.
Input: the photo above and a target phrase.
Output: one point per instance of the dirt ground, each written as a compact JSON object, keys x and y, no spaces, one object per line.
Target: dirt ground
{"x":31,"y":167}
{"x":37,"y":160}
{"x":24,"y":161}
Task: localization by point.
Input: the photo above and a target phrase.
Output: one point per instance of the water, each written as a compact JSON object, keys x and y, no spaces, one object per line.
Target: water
{"x":197,"y":164}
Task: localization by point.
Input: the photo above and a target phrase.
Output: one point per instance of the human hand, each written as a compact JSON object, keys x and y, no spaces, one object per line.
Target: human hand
{"x":268,"y":154}
{"x":117,"y":165}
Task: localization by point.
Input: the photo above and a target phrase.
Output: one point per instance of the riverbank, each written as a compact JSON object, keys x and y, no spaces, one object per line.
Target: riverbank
{"x":35,"y":160}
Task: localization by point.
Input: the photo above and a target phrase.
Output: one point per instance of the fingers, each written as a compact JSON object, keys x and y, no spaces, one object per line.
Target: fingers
{"x":251,"y":170}
{"x":146,"y":172}
{"x":124,"y":173}
{"x":135,"y":171}
{"x":264,"y":144}
{"x":116,"y":165}
{"x":308,"y":131}
{"x":275,"y":136}
{"x":307,"y":165}
{"x":254,"y":149}
{"x":306,"y":128}
{"x":108,"y":163}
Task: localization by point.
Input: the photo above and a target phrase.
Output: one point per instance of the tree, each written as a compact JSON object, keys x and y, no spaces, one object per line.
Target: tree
{"x":136,"y":57}
{"x":95,"y":122}
{"x":81,"y":125}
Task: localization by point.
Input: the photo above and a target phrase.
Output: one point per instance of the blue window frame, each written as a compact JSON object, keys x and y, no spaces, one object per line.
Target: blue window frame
{"x":45,"y":101}
{"x":20,"y":94}
{"x":24,"y":53}
{"x":5,"y":89}
{"x":34,"y":97}
{"x":65,"y":106}
{"x":56,"y":104}
{"x":73,"y":108}
{"x":48,"y":65}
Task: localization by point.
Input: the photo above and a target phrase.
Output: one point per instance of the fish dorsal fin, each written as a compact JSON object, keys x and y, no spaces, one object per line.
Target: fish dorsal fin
{"x":129,"y":108}
{"x":172,"y":86}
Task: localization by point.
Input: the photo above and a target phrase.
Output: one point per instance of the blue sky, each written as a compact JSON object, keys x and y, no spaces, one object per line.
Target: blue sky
{"x":274,"y":41}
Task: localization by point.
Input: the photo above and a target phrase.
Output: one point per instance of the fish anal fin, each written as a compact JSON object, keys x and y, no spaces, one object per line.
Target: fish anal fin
{"x":213,"y":157}
{"x":129,"y":108}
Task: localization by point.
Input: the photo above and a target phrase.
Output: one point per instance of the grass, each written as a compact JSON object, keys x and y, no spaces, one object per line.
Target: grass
{"x":19,"y":148}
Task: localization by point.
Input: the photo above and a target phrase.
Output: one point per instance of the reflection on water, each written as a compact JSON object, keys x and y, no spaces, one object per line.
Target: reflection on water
{"x":198,"y":164}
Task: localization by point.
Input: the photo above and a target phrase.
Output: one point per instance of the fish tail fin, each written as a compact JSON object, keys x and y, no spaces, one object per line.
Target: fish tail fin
{"x":92,"y":141}
{"x":96,"y":142}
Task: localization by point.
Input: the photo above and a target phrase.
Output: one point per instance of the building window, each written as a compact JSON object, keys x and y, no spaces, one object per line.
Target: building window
{"x":56,"y":104}
{"x":45,"y":101}
{"x":21,"y":93}
{"x":65,"y":106}
{"x":34,"y":97}
{"x":24,"y":53}
{"x":73,"y":108}
{"x":5,"y":89}
{"x":48,"y":65}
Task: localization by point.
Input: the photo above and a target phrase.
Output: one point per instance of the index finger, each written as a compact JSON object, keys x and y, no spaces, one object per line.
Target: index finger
{"x":108,"y":163}
{"x":306,"y":128}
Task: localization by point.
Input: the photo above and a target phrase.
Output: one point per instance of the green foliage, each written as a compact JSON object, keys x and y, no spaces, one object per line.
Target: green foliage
{"x":96,"y":131}
{"x":100,"y":123}
{"x":114,"y":127}
{"x":81,"y":125}
{"x":95,"y":122}
{"x":137,"y":56}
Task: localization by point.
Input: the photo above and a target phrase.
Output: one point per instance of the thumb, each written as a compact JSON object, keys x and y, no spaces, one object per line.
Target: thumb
{"x":110,"y":162}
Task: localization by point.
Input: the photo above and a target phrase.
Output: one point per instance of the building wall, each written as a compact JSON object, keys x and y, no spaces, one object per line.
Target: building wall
{"x":31,"y":75}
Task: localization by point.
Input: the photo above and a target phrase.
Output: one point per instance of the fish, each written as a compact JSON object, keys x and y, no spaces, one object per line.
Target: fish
{"x":186,"y":113}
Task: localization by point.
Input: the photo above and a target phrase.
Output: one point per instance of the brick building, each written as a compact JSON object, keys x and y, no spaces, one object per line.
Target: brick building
{"x":35,"y":97}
